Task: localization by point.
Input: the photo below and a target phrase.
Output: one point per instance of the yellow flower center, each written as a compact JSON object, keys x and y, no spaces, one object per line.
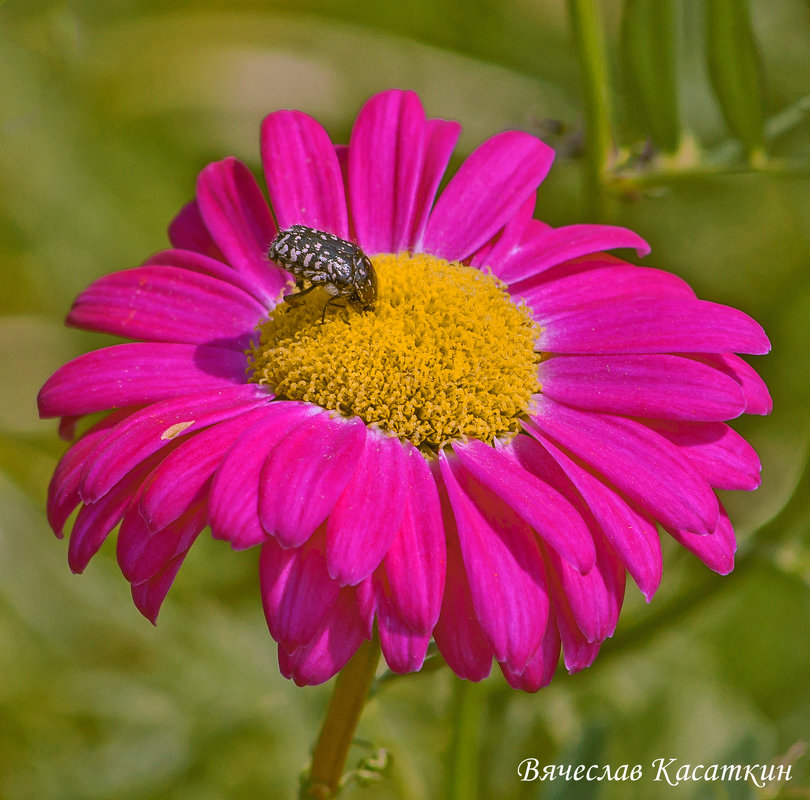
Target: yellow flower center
{"x":444,"y":354}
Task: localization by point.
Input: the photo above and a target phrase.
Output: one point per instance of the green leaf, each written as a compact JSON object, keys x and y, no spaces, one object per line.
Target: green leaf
{"x":648,"y":64}
{"x":734,"y":69}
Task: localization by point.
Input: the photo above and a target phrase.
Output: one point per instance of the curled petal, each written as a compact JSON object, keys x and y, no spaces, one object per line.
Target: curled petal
{"x":595,"y":600}
{"x":95,"y":521}
{"x":716,"y":550}
{"x":335,"y":642}
{"x":149,"y":595}
{"x":297,"y":593}
{"x":541,"y":667}
{"x":404,"y":649}
{"x":578,"y":652}
{"x":143,"y":553}
{"x":63,"y":491}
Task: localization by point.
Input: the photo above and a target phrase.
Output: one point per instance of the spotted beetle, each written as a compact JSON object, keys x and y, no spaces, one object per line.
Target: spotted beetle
{"x":324,"y":259}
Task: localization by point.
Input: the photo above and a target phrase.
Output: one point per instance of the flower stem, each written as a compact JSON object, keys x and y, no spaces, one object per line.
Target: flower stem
{"x":462,"y":772}
{"x":590,"y":44}
{"x":342,"y":716}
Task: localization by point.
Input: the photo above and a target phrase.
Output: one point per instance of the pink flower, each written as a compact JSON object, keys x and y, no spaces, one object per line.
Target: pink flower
{"x":478,"y":460}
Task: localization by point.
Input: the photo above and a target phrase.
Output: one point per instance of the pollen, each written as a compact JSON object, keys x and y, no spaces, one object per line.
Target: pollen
{"x":443,"y":355}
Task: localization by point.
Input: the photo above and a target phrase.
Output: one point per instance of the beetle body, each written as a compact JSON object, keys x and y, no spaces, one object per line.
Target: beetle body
{"x":324,"y":259}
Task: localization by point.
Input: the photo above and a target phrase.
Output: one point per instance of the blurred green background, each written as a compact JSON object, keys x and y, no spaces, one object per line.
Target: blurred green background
{"x":107,"y":112}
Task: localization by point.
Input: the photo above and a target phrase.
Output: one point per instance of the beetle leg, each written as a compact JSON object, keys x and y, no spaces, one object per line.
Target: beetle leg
{"x":294,"y":299}
{"x":329,"y":303}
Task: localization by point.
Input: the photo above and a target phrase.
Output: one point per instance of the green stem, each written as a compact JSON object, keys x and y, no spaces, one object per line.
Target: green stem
{"x":462,"y":772}
{"x":590,"y":44}
{"x":342,"y":716}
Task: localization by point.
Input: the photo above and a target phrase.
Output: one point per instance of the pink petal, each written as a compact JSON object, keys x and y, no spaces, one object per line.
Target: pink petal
{"x":537,"y":229}
{"x":187,"y":231}
{"x":757,"y":398}
{"x":504,"y":567}
{"x":137,"y":374}
{"x":385,"y":165}
{"x":67,"y":427}
{"x":143,"y":553}
{"x":266,"y":291}
{"x":306,"y":473}
{"x":368,"y":513}
{"x":489,"y":188}
{"x":184,"y":476}
{"x":95,"y":521}
{"x":234,"y":495}
{"x":330,"y":650}
{"x":297,"y":593}
{"x":497,"y":250}
{"x":639,"y":462}
{"x":722,"y":456}
{"x":441,"y":136}
{"x":403,"y":648}
{"x":366,"y":601}
{"x":716,"y":550}
{"x":631,"y":535}
{"x":415,"y":562}
{"x":152,"y":429}
{"x":654,"y":326}
{"x":563,"y":244}
{"x":569,"y":286}
{"x":662,"y":386}
{"x":542,"y":665}
{"x":551,"y":515}
{"x":458,"y":634}
{"x":595,"y":600}
{"x":342,"y":153}
{"x":149,"y":596}
{"x":302,"y":172}
{"x":236,"y":214}
{"x":578,"y":652}
{"x":167,"y":304}
{"x":63,"y":491}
